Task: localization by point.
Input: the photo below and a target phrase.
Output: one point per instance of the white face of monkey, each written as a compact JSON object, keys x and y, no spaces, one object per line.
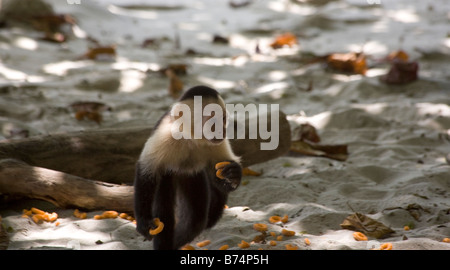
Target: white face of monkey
{"x":201,"y":120}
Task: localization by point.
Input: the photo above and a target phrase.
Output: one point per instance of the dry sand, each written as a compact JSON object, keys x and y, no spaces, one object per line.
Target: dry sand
{"x":398,"y":136}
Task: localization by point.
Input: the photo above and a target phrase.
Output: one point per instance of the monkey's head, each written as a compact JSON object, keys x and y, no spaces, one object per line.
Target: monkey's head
{"x":200,"y":115}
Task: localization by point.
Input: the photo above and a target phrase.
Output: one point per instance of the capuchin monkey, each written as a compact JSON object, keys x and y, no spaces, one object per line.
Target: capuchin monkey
{"x":176,"y":179}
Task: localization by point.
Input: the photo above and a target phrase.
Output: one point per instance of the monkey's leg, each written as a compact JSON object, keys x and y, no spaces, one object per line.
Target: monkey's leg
{"x":193,"y":197}
{"x":163,"y":208}
{"x":218,"y":200}
{"x":145,"y":185}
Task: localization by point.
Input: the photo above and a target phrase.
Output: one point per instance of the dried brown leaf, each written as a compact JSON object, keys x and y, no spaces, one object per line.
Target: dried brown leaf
{"x":362,"y":223}
{"x":401,"y":72}
{"x":337,"y":152}
{"x":348,"y":62}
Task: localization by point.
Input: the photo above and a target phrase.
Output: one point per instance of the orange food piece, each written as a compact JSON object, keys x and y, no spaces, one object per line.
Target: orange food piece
{"x":348,"y":62}
{"x":273,"y":243}
{"x":159,"y":228}
{"x":359,"y":236}
{"x":26,"y":213}
{"x":286,"y":39}
{"x":291,"y":247}
{"x":203,"y":243}
{"x":37,"y":211}
{"x":249,"y":172}
{"x":446,"y":240}
{"x":244,"y":244}
{"x":110,"y":214}
{"x":260,"y":227}
{"x":188,"y":247}
{"x":307,"y":241}
{"x":386,"y":246}
{"x":224,"y":247}
{"x":37,"y":218}
{"x":79,"y":214}
{"x":273,"y":234}
{"x":51,"y":217}
{"x":123,"y":215}
{"x":274,"y":219}
{"x":406,"y":228}
{"x":219,"y":174}
{"x":279,"y":237}
{"x":221,"y":165}
{"x":57,"y":223}
{"x":287,"y":232}
{"x":285,"y":219}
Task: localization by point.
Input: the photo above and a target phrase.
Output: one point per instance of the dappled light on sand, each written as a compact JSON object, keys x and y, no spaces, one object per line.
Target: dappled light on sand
{"x":364,"y":85}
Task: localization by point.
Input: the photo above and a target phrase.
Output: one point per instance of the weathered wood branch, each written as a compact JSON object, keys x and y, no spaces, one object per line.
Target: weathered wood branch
{"x":61,"y":189}
{"x":59,"y":168}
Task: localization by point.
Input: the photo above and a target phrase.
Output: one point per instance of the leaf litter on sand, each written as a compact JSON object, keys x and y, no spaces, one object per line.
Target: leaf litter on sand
{"x":362,"y":223}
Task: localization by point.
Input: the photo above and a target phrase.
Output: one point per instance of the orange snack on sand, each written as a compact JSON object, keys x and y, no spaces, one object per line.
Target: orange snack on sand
{"x":203,"y":243}
{"x":274,"y":219}
{"x":291,"y":247}
{"x":79,"y":214}
{"x":224,"y":247}
{"x":52,"y":217}
{"x":110,"y":214}
{"x":37,"y":211}
{"x":307,"y":241}
{"x":285,"y":219}
{"x":188,"y":247}
{"x":359,"y":236}
{"x":260,"y":227}
{"x":279,"y":237}
{"x":244,"y":244}
{"x":386,"y":246}
{"x":287,"y":232}
{"x":446,"y":240}
{"x":273,"y":243}
{"x":159,"y":228}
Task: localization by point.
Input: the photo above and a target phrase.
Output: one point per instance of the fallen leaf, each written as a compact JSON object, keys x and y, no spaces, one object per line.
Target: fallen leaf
{"x":286,"y":39}
{"x":401,"y":72}
{"x":91,"y":110}
{"x":337,"y":152}
{"x":348,"y":62}
{"x":220,"y":39}
{"x":307,"y":132}
{"x":105,"y":53}
{"x":239,"y":4}
{"x":362,"y":223}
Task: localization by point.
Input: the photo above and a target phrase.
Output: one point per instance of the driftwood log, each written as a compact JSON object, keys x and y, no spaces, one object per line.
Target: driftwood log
{"x":94,"y":170}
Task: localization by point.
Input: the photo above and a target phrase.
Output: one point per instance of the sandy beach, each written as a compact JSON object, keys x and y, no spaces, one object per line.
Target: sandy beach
{"x":398,"y":135}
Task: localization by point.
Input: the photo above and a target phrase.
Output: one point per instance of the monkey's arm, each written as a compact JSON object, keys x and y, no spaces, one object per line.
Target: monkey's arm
{"x":145,"y":184}
{"x":230,"y":174}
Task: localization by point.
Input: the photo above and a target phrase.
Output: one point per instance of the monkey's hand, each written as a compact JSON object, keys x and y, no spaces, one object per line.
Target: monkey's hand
{"x":230,"y":172}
